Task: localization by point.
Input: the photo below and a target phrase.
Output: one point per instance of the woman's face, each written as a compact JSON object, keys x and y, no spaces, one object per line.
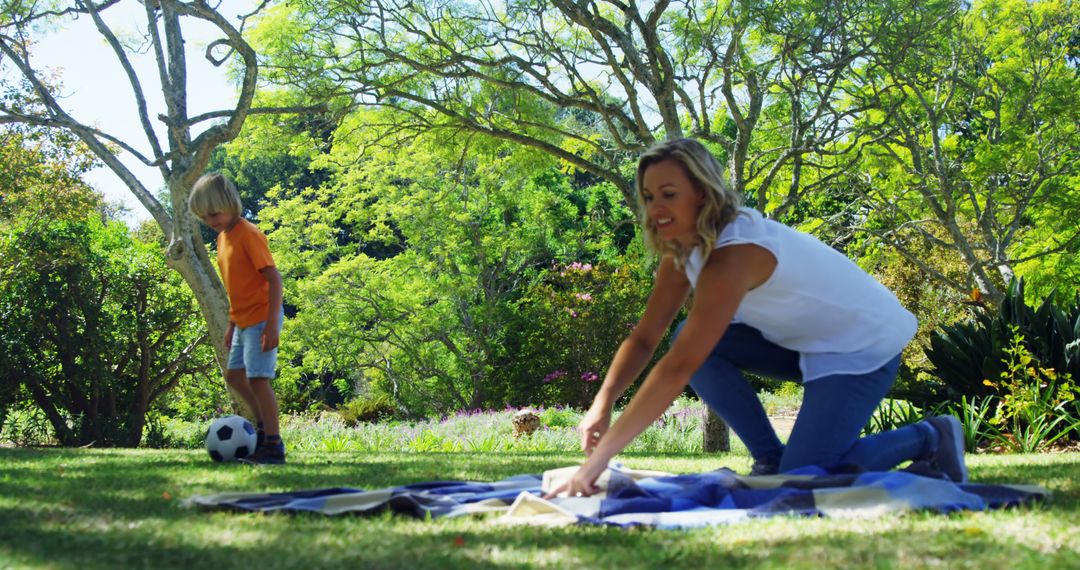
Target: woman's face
{"x":672,"y":202}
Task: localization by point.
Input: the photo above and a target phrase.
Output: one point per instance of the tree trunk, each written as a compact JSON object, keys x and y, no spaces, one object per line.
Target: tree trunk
{"x":187,"y":255}
{"x":717,"y":436}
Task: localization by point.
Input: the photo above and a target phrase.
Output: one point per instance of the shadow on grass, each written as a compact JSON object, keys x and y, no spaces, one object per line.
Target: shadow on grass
{"x":118,"y":509}
{"x":302,"y":542}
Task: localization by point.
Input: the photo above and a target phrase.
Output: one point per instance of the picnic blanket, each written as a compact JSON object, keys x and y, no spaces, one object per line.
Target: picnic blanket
{"x":648,"y":498}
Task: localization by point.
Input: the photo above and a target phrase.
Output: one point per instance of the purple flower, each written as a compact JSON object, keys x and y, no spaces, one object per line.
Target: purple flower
{"x":554,"y":376}
{"x":590,"y":377}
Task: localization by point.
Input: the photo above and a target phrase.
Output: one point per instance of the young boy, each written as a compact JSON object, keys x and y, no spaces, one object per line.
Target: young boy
{"x":255,"y":314}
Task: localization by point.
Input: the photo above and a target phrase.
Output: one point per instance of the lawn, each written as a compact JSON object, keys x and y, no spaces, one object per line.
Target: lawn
{"x":91,"y":508}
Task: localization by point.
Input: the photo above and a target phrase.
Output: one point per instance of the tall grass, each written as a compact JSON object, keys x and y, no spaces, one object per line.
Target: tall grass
{"x":678,"y":431}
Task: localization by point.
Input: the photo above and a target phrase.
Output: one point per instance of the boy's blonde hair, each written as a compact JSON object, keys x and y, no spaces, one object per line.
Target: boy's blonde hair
{"x":213,"y":193}
{"x":721,"y":203}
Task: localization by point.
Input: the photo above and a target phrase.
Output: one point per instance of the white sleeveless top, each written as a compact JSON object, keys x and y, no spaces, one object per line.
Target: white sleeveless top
{"x":817,"y":302}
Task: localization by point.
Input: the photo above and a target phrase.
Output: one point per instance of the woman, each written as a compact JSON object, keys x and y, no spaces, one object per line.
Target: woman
{"x":768,"y":300}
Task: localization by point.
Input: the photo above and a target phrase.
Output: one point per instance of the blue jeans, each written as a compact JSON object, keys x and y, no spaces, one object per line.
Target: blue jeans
{"x":247,"y":353}
{"x":834,"y":409}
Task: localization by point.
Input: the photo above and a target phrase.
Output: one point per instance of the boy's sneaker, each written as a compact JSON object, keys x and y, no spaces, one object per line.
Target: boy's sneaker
{"x":949,"y":455}
{"x":267,"y":454}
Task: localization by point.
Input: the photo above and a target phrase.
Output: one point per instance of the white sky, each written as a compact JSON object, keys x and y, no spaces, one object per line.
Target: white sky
{"x":98,"y":92}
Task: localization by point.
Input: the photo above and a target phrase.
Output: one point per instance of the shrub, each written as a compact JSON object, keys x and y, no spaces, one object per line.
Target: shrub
{"x":573,"y":319}
{"x":560,"y":417}
{"x":368,"y":409}
{"x":969,"y":359}
{"x":1033,"y":412}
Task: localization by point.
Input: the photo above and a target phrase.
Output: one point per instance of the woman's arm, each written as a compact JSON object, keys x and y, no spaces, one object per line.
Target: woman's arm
{"x":727,"y":276}
{"x":670,"y":289}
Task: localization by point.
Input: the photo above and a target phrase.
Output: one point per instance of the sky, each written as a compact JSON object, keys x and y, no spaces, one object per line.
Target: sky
{"x":97,"y":92}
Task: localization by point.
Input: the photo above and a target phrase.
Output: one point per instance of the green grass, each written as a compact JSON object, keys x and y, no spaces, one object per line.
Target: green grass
{"x":90,"y":508}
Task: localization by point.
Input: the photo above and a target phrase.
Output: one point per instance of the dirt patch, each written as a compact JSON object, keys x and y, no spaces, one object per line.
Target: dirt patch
{"x":782,"y":425}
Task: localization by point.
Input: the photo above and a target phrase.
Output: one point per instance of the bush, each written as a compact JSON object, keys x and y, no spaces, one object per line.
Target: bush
{"x":369,"y":409}
{"x":1034,"y":411}
{"x":559,"y":417}
{"x":96,"y":327}
{"x":966,"y":355}
{"x":27,"y":426}
{"x":572,"y":320}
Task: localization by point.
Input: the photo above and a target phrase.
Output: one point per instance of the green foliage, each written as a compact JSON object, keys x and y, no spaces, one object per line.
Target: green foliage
{"x":369,"y":409}
{"x":975,"y":415}
{"x":574,"y":317}
{"x":677,"y":431}
{"x":891,"y":414}
{"x":26,"y":426}
{"x":784,"y":398}
{"x":408,"y":266}
{"x":971,"y":149}
{"x":1037,"y":405}
{"x":970,"y":356}
{"x":95,"y":328}
{"x":560,"y":417}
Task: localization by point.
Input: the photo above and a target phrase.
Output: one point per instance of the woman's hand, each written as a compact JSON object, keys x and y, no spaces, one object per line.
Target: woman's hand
{"x":228,"y":336}
{"x":593,"y":426}
{"x":582,"y":483}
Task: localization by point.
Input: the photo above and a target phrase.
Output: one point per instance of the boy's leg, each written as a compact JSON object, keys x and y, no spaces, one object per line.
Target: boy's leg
{"x":268,"y":407}
{"x":834,"y":411}
{"x":272,"y":450}
{"x":260,"y":369}
{"x":721,"y":384}
{"x":236,"y":374}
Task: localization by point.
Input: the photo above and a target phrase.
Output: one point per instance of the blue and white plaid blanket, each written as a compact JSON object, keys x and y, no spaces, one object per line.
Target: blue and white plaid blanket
{"x":643,"y":498}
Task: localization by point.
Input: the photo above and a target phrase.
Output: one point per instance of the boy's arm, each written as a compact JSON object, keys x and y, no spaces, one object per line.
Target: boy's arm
{"x":270,"y":331}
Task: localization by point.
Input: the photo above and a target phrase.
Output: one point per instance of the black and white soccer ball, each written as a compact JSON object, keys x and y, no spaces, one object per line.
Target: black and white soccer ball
{"x":230,"y":438}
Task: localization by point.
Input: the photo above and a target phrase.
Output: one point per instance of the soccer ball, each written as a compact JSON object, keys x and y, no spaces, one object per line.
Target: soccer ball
{"x":230,"y":438}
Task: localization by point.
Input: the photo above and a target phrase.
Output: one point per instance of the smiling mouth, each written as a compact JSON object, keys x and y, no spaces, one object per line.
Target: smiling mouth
{"x":661,"y":222}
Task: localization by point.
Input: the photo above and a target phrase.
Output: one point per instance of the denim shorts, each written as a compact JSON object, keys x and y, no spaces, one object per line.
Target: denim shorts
{"x":247,"y":352}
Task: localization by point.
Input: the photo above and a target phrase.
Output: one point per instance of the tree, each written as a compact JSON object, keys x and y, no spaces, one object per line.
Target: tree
{"x":408,"y":264}
{"x":594,"y":83}
{"x":978,"y":155}
{"x":177,"y":144}
{"x":30,"y":159}
{"x":95,"y":327}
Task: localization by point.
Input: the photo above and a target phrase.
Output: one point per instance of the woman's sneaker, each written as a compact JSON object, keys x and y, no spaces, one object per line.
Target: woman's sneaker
{"x":949,"y":455}
{"x":764,"y":468}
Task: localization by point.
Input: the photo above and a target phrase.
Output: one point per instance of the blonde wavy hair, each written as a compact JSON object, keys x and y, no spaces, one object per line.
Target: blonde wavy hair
{"x":213,"y":193}
{"x":721,"y":203}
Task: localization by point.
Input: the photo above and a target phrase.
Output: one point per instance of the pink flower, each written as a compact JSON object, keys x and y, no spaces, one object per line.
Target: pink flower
{"x":553,"y":376}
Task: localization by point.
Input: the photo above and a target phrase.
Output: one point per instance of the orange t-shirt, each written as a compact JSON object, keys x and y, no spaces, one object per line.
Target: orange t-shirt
{"x":242,"y":252}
